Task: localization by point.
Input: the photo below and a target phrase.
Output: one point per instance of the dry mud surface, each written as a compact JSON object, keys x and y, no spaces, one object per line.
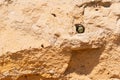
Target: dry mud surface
{"x":38,"y":40}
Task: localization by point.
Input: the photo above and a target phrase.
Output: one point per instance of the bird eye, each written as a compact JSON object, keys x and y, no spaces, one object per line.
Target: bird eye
{"x":79,"y":28}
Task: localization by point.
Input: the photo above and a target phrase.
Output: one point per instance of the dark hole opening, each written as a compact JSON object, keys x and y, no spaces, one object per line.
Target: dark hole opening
{"x":25,"y":76}
{"x":42,"y":45}
{"x":53,"y":14}
{"x":96,"y":9}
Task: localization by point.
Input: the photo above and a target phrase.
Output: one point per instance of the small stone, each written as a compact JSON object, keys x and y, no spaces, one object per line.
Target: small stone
{"x":46,"y":75}
{"x":6,"y":73}
{"x":51,"y":71}
{"x":79,"y":28}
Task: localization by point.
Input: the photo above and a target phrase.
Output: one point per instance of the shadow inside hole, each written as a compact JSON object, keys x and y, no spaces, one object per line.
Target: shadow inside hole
{"x":42,"y":45}
{"x":84,"y":61}
{"x":53,"y":14}
{"x":96,"y":9}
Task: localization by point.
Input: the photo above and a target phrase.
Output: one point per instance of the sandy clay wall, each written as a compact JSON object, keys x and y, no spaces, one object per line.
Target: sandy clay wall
{"x":39,"y":40}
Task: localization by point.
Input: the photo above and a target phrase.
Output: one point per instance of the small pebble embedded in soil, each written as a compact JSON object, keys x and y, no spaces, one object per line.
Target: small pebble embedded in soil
{"x":80,"y":28}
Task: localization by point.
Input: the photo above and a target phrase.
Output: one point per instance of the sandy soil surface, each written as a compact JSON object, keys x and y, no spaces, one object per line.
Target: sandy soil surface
{"x":39,"y":40}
